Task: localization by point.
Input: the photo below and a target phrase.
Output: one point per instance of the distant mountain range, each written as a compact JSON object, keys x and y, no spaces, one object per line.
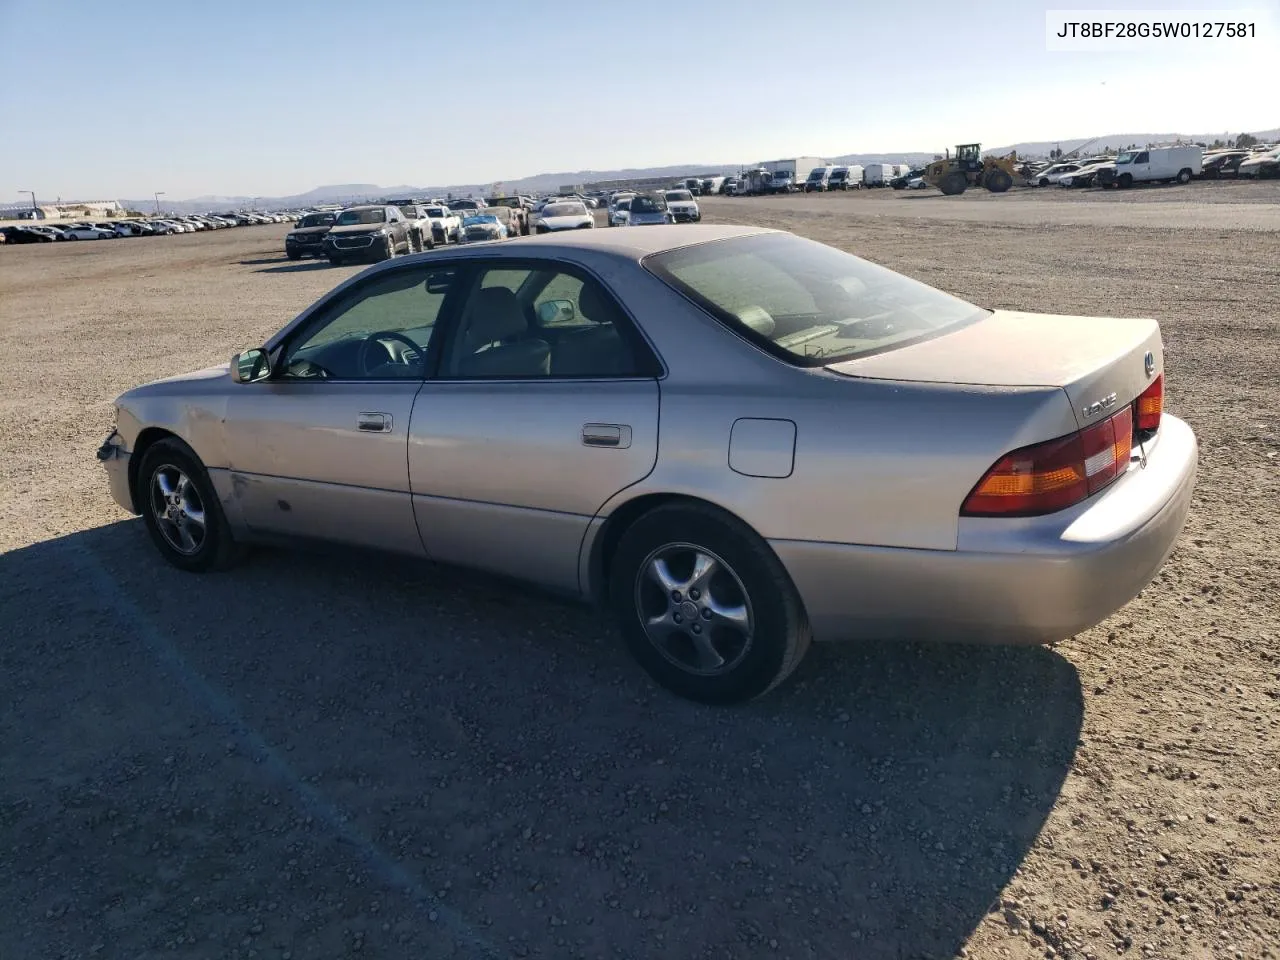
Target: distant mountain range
{"x":543,"y":182}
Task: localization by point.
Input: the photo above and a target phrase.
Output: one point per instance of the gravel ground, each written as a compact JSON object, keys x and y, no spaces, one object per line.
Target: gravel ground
{"x":317,"y":755}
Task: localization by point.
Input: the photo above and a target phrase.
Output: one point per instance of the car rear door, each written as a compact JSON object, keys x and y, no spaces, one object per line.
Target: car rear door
{"x":544,"y":405}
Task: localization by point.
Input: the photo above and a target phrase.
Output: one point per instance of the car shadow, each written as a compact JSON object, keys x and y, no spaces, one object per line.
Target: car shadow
{"x":299,"y":266}
{"x":322,"y":729}
{"x":260,"y":260}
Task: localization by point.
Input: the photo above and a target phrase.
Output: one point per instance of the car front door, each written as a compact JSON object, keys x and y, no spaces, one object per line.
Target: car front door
{"x":544,"y":405}
{"x":318,"y":448}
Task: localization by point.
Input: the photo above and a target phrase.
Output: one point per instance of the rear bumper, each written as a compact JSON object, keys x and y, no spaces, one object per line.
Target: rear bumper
{"x":1024,"y":581}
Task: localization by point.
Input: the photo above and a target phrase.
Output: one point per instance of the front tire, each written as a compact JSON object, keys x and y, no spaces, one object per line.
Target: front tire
{"x":181,"y":509}
{"x":705,"y":606}
{"x":1184,"y":175}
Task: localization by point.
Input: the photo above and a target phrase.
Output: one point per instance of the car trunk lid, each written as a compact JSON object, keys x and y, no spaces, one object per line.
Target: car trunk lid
{"x":1101,"y":362}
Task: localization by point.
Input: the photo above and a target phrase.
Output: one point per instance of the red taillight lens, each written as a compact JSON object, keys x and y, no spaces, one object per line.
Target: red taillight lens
{"x":1052,"y":476}
{"x":1150,"y":405}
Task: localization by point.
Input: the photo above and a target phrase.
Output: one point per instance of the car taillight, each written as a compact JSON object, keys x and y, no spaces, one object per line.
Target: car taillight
{"x":1051,"y":476}
{"x":1150,"y":405}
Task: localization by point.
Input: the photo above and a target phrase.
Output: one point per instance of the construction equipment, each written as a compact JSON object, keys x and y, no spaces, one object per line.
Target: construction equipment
{"x":968,"y":168}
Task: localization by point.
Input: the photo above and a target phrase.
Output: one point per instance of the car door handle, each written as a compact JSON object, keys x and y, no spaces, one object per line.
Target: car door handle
{"x":617,"y":435}
{"x":374,"y":422}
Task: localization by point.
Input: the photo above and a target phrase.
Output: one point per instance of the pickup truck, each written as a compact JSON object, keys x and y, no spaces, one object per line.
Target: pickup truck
{"x":446,"y":226}
{"x":419,"y":226}
{"x":519,"y":207}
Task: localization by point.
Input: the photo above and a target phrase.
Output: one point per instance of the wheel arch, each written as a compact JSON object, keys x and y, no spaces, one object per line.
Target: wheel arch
{"x":604,"y":544}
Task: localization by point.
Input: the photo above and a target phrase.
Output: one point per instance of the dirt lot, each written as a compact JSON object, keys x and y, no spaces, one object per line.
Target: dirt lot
{"x":315,"y":756}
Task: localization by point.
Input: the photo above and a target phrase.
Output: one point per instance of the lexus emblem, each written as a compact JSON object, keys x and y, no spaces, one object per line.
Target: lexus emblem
{"x":1149,"y":362}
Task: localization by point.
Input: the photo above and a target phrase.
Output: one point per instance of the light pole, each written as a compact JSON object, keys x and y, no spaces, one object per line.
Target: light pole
{"x":159,"y":194}
{"x":33,"y":202}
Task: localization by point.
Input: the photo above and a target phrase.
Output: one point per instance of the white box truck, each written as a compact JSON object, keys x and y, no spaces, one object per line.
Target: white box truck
{"x":787,"y":176}
{"x":1171,"y":164}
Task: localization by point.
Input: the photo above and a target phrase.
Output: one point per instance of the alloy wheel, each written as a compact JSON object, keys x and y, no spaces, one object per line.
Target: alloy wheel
{"x":177,"y":509}
{"x":694,"y":609}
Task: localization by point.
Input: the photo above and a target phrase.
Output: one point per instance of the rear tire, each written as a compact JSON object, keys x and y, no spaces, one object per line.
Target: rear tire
{"x":953,"y":183}
{"x":172,"y":488}
{"x":998,"y":181}
{"x":728,"y":636}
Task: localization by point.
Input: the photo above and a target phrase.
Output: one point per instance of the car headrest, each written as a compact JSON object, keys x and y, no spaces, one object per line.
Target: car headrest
{"x":757,"y":318}
{"x":594,"y":305}
{"x":495,"y":315}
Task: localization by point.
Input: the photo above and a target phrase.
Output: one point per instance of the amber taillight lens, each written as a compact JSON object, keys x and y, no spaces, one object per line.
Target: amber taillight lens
{"x":1149,"y":406}
{"x":1051,"y":476}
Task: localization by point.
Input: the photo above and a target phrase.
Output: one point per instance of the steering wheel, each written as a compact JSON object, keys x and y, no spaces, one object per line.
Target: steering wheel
{"x":362,"y":357}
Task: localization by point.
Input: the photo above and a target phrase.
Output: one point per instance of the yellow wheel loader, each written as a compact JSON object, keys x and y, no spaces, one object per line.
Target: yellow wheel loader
{"x":968,"y":168}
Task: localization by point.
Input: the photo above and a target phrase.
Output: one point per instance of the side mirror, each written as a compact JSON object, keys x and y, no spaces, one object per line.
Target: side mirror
{"x":555,"y":311}
{"x":250,"y":366}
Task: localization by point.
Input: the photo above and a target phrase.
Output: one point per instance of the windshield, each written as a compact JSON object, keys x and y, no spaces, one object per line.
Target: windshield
{"x":810,"y":302}
{"x":564,"y":210}
{"x":839,"y":174}
{"x":479,"y":218}
{"x":317,"y":220}
{"x":678,"y":195}
{"x":648,"y":204}
{"x":368,"y":215}
{"x":435,"y":211}
{"x":816,"y":174}
{"x":1125,"y":157}
{"x":624,"y":204}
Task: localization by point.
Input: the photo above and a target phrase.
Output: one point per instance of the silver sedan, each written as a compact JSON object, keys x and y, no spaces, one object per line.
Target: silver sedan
{"x":737,"y":440}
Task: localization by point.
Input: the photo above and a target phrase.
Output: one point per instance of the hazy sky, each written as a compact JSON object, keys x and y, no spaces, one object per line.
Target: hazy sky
{"x":272,"y":97}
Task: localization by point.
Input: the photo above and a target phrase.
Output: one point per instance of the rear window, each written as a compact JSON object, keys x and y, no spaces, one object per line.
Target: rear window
{"x":806,"y":302}
{"x":648,"y":203}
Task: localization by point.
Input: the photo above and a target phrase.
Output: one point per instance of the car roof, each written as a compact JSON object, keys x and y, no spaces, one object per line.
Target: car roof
{"x":634,"y":243}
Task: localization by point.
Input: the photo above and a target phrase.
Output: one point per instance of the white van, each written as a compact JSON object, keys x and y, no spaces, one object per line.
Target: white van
{"x":1155,"y":163}
{"x":845,"y":178}
{"x":818,"y":179}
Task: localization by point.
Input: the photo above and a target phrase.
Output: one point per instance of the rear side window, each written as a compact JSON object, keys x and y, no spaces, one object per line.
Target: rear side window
{"x":806,"y":302}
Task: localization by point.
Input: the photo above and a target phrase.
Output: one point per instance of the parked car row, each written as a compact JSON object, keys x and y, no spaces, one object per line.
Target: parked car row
{"x":51,"y":232}
{"x":1178,"y":163}
{"x":647,"y":208}
{"x":381,"y":231}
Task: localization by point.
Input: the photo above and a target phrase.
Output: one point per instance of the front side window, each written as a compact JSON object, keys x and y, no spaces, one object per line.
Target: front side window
{"x":532,"y":322}
{"x":806,"y":302}
{"x":379,"y":330}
